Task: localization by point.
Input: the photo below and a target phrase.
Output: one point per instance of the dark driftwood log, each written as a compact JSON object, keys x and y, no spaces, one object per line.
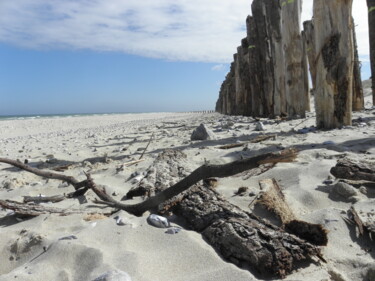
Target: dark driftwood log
{"x":241,"y":237}
{"x":346,"y":169}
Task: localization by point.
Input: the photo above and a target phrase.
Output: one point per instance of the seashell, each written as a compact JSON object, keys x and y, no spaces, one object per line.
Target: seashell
{"x":173,"y":230}
{"x":158,"y":221}
{"x":119,"y":220}
{"x":69,"y":237}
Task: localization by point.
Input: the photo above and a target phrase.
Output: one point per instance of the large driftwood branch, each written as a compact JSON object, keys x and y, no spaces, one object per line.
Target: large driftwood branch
{"x":201,"y":173}
{"x":44,"y":174}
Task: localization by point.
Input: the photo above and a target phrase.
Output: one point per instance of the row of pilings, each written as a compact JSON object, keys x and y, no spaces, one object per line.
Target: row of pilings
{"x":269,"y":75}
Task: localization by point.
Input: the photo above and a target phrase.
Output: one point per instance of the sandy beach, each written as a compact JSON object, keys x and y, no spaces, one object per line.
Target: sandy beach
{"x":82,"y":247}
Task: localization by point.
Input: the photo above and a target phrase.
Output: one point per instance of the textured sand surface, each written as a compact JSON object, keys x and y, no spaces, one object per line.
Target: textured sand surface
{"x":32,"y":249}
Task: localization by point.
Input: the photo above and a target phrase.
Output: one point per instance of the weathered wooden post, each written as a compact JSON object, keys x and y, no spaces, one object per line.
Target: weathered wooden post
{"x":267,"y":30}
{"x":358,"y":102}
{"x":245,"y":74}
{"x":334,"y":62}
{"x":371,"y":29}
{"x":305,"y":66}
{"x":295,"y":85}
{"x":308,"y":36}
{"x":254,"y":76}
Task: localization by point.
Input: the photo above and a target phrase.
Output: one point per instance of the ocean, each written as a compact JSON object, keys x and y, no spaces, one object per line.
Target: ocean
{"x":39,"y":116}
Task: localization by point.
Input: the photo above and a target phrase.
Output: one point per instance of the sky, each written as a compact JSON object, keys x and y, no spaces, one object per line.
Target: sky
{"x":102,"y":56}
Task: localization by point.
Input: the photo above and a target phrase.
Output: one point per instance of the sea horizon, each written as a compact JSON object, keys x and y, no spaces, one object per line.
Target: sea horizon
{"x":69,"y":115}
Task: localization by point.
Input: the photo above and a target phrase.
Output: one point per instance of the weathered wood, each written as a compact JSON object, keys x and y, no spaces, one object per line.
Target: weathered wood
{"x":35,"y":209}
{"x":334,"y":62}
{"x":371,"y":29}
{"x":347,"y":169}
{"x":305,"y":70}
{"x":254,"y":75}
{"x":241,"y":237}
{"x":43,"y":199}
{"x":273,"y":199}
{"x":296,"y":87}
{"x":357,"y":220}
{"x":255,"y":140}
{"x":201,"y":173}
{"x":308,"y":35}
{"x":44,"y":174}
{"x":361,"y":214}
{"x":268,"y":67}
{"x":358,"y":102}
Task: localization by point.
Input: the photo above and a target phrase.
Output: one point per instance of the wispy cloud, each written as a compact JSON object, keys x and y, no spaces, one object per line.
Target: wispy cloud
{"x":187,"y":30}
{"x":218,"y":67}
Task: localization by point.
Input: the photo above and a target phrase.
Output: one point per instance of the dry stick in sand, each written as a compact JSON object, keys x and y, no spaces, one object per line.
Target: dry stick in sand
{"x":146,"y":146}
{"x":43,"y":199}
{"x":255,"y":140}
{"x":34,"y":209}
{"x":44,"y":174}
{"x":201,"y":173}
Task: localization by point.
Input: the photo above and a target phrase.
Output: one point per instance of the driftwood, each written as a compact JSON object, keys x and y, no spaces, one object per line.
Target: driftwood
{"x":43,"y":199}
{"x":232,"y":145}
{"x":238,"y":236}
{"x":201,"y":173}
{"x":44,"y":174}
{"x":257,"y":139}
{"x":347,"y":169}
{"x":357,"y":220}
{"x":241,"y":237}
{"x":361,"y":215}
{"x":273,"y":199}
{"x":35,"y":209}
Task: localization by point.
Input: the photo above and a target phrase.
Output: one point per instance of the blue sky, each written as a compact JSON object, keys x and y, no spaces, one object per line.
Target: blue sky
{"x":81,"y":56}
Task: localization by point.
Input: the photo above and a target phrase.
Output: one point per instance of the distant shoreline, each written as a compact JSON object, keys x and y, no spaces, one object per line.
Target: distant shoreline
{"x":70,"y":115}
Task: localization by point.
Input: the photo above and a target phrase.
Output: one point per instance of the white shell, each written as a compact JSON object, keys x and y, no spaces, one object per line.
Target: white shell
{"x":158,"y":221}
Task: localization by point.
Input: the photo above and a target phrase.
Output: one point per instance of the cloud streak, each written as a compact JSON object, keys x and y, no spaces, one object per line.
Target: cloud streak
{"x":186,"y":30}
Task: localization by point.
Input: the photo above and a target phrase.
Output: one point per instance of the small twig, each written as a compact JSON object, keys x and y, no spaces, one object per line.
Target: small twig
{"x":146,"y":146}
{"x":127,"y":164}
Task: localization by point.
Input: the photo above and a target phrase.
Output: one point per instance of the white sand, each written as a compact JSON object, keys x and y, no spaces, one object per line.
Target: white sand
{"x":31,"y":249}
